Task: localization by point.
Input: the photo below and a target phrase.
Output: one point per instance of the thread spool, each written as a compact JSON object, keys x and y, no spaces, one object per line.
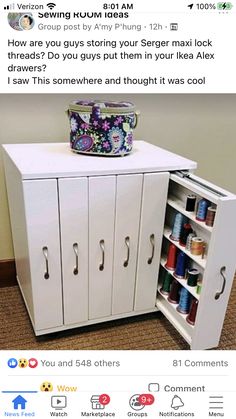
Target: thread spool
{"x":192,"y":277}
{"x":171,"y":257}
{"x":191,"y":318}
{"x":181,"y":265}
{"x":210,"y":217}
{"x":177,"y":227}
{"x":166,"y":285}
{"x":186,"y":230}
{"x":190,"y":203}
{"x":189,"y":241}
{"x":199,"y":286}
{"x":197,"y":246}
{"x":174,"y":292}
{"x":203,"y":204}
{"x":184,"y":301}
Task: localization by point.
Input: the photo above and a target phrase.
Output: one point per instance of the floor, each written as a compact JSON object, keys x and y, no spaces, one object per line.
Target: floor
{"x":150,"y":331}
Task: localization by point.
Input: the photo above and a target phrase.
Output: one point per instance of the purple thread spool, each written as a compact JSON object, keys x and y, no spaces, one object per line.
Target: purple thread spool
{"x":177,"y":227}
{"x":181,"y":265}
{"x":184,"y":301}
{"x":174,"y":292}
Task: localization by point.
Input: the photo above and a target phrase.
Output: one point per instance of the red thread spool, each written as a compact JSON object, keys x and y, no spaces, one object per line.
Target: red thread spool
{"x":193,"y":312}
{"x":187,"y":229}
{"x":174,"y":292}
{"x":171,"y":258}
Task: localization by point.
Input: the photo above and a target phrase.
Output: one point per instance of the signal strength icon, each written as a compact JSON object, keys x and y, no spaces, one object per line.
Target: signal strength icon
{"x":9,"y":7}
{"x":51,"y":5}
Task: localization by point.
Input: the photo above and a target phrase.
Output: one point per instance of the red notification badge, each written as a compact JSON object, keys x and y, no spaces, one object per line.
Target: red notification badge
{"x":146,"y":399}
{"x":104,"y":399}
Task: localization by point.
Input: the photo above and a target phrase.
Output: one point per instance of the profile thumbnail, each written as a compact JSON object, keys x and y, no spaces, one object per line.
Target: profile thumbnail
{"x":21,"y":21}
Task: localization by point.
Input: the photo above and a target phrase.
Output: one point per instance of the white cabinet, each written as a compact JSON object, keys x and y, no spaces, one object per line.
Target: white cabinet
{"x":42,"y":228}
{"x":128,"y":206}
{"x":102,"y":198}
{"x":73,"y":213}
{"x":216,"y":267}
{"x":91,"y":235}
{"x":155,"y":188}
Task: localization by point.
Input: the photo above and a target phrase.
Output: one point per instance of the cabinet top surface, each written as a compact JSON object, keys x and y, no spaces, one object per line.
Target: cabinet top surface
{"x":50,"y":160}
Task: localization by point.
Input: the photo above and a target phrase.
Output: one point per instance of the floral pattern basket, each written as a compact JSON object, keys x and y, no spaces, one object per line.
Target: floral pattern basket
{"x":104,"y":128}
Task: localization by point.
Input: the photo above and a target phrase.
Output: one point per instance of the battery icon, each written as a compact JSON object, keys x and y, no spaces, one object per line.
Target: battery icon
{"x":224,"y":6}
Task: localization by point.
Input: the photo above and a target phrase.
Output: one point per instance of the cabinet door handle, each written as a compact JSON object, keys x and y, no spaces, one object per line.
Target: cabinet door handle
{"x":152,"y":241}
{"x":76,"y":251}
{"x":127,"y":242}
{"x":219,"y":293}
{"x":102,"y":246}
{"x":45,"y":253}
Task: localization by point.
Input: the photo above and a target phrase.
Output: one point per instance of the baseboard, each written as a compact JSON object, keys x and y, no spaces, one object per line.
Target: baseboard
{"x":7,"y":273}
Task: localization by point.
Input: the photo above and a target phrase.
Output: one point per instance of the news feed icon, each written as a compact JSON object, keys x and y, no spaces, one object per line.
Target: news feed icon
{"x":21,"y":21}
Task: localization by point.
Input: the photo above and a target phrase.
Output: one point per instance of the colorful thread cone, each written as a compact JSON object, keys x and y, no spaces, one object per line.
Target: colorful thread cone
{"x":177,"y":227}
{"x":171,"y":258}
{"x":184,"y":301}
{"x":203,"y":204}
{"x":192,"y":277}
{"x":189,"y":241}
{"x":210,"y":217}
{"x":167,"y":281}
{"x":181,"y":265}
{"x":193,"y":312}
{"x":174,"y":292}
{"x":186,"y":230}
{"x":190,"y":203}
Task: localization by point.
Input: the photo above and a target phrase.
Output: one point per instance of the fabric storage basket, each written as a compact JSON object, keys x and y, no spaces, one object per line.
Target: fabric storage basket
{"x":104,"y":128}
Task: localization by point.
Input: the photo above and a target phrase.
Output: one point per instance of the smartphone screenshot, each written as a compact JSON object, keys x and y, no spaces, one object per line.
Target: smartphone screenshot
{"x":117,"y":209}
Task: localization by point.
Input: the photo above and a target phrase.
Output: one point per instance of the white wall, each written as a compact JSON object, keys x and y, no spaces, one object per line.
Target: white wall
{"x":200,"y":127}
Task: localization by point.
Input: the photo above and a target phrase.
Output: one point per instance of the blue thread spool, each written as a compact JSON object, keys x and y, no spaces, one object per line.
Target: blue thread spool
{"x":184,"y":301}
{"x":203,"y":204}
{"x":181,"y":265}
{"x":177,"y":227}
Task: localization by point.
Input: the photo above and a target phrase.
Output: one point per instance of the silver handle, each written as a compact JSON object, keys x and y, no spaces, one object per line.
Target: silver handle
{"x":76,"y":268}
{"x":127,"y":242}
{"x":45,"y":253}
{"x":219,"y":293}
{"x":152,"y":241}
{"x":102,"y":246}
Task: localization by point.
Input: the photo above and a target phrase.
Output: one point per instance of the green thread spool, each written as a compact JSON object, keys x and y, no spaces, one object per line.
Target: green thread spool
{"x":167,"y":281}
{"x":199,"y":286}
{"x":192,"y":275}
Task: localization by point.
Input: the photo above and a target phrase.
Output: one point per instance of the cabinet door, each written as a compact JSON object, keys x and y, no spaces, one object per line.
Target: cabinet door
{"x":73,"y":201}
{"x":217,"y":265}
{"x":101,"y":241}
{"x":155,"y":186}
{"x":128,"y":204}
{"x":42,"y":223}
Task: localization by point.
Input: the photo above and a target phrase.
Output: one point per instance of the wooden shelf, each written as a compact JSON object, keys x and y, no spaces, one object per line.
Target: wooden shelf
{"x":198,"y":259}
{"x":183,"y":282}
{"x":177,"y":319}
{"x":178,"y":205}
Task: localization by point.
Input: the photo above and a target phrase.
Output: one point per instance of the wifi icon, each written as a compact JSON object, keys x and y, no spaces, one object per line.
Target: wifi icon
{"x":51,"y":5}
